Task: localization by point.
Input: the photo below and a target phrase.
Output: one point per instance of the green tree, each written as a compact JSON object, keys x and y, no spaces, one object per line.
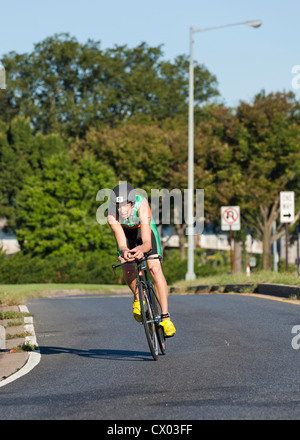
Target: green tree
{"x":244,"y":157}
{"x":21,"y":154}
{"x":65,"y":86}
{"x":57,"y":208}
{"x":208,"y":156}
{"x":251,"y":155}
{"x":147,"y":156}
{"x":270,"y":162}
{"x":139,"y":154}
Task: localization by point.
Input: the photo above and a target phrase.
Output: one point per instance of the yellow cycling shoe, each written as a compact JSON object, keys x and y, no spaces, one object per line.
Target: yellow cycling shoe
{"x":136,"y":308}
{"x":168,"y":327}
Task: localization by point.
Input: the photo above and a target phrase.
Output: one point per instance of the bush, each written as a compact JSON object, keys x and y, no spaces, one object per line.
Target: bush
{"x":206,"y":263}
{"x":95,"y":267}
{"x":174,"y":269}
{"x":89,"y":268}
{"x":292,"y":268}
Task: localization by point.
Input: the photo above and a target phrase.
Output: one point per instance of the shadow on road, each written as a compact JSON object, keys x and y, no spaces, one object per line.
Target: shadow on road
{"x":117,"y":355}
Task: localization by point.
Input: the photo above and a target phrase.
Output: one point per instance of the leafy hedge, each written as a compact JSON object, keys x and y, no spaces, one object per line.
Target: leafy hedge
{"x":89,"y":268}
{"x":204,"y":265}
{"x":92,"y":269}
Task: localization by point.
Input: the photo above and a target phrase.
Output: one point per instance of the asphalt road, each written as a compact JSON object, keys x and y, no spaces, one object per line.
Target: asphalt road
{"x":232,"y":358}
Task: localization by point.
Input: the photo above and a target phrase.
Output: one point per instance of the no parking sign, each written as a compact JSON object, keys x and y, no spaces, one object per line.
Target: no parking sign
{"x":230,"y":218}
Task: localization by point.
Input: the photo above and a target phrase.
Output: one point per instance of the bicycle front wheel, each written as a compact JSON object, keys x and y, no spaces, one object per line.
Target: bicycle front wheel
{"x":148,"y":320}
{"x":159,"y":330}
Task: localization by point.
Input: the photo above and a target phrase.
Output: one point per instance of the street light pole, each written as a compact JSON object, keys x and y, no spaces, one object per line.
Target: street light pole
{"x":190,"y":275}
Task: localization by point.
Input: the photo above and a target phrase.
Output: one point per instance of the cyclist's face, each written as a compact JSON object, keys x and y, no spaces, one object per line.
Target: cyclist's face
{"x":125,"y":210}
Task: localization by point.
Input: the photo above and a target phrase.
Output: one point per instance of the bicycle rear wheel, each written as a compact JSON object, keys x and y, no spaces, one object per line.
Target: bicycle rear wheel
{"x":159,"y":330}
{"x":148,"y":320}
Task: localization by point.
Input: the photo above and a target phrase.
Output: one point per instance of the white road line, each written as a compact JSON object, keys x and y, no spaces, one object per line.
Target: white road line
{"x":34,"y":356}
{"x":33,"y":360}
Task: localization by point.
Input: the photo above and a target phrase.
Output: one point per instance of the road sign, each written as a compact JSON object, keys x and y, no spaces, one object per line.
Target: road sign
{"x":287,"y":206}
{"x":230,"y":218}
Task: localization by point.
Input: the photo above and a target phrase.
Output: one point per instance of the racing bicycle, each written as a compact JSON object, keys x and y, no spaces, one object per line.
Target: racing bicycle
{"x":150,"y":307}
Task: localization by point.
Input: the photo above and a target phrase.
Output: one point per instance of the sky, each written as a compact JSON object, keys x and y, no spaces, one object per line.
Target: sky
{"x":244,"y":60}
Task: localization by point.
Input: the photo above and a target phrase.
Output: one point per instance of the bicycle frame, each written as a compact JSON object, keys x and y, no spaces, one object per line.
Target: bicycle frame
{"x":141,"y":270}
{"x":141,"y":267}
{"x":152,"y":317}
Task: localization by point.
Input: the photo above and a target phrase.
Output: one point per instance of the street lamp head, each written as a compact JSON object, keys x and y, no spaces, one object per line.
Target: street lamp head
{"x":253,"y":23}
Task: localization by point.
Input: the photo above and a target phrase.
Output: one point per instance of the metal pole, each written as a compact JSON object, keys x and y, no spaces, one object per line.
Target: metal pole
{"x":298,"y":261}
{"x":231,"y":251}
{"x":275,"y":259}
{"x":190,"y":275}
{"x":286,"y":247}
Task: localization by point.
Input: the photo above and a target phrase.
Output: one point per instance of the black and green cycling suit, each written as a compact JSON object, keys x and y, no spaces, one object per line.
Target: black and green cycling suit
{"x":132,"y":229}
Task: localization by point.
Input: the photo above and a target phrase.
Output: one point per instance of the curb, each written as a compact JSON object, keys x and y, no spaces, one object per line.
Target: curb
{"x":275,"y":290}
{"x":279,"y":290}
{"x":34,"y":356}
{"x":215,"y":288}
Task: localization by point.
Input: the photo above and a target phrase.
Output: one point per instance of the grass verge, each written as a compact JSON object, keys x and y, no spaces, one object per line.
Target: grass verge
{"x":255,"y":278}
{"x":14,"y":294}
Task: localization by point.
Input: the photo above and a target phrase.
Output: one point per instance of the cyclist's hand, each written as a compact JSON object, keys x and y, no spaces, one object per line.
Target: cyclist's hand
{"x":127,"y":255}
{"x":137,"y":253}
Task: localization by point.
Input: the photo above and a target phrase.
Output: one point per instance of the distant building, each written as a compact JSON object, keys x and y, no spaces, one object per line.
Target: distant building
{"x":209,"y":240}
{"x":220,"y":242}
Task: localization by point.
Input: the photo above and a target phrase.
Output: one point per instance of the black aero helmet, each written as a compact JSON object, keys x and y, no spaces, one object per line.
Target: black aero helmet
{"x":122,"y":194}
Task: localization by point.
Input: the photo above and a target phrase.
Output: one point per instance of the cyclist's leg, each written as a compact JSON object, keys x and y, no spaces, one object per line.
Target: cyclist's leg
{"x":130,"y":279}
{"x":156,"y":271}
{"x":161,"y":290}
{"x":130,"y":276}
{"x":160,"y":283}
{"x":129,"y":268}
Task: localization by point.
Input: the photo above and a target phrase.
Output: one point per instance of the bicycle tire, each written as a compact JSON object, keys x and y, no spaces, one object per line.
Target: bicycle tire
{"x":159,"y":329}
{"x":148,"y":321}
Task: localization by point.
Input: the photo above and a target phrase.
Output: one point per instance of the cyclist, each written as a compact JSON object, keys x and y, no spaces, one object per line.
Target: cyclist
{"x":129,"y":217}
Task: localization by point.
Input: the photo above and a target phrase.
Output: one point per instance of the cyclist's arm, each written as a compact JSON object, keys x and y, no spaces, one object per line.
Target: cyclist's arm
{"x":119,"y":236}
{"x":145,"y":217}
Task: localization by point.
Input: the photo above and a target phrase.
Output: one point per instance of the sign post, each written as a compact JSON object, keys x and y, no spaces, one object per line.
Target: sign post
{"x":287,"y":215}
{"x":2,"y":338}
{"x":298,"y":259}
{"x":230,"y":221}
